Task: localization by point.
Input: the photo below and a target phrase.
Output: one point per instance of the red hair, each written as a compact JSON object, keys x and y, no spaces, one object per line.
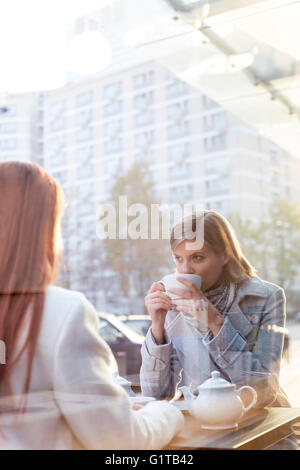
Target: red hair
{"x":30,"y":205}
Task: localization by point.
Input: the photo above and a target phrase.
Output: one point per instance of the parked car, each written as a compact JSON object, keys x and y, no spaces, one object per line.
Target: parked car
{"x":125,"y":344}
{"x":139,"y":323}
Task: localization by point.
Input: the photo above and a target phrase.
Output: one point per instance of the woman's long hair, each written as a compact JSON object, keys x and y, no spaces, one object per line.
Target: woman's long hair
{"x":219,"y":236}
{"x":30,"y":206}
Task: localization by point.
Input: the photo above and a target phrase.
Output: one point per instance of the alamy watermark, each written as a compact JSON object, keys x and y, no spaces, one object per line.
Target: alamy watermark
{"x":154,"y":222}
{"x":2,"y":352}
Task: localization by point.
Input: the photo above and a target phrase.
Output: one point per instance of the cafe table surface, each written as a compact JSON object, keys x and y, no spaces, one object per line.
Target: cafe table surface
{"x":257,"y":430}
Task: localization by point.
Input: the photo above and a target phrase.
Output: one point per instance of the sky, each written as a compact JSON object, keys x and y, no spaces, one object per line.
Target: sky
{"x":33,"y":41}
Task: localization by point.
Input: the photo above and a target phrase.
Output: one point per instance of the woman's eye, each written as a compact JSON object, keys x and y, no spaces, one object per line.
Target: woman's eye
{"x":199,"y":258}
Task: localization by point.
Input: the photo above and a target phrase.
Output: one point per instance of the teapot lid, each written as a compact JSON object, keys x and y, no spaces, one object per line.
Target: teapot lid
{"x":216,"y":382}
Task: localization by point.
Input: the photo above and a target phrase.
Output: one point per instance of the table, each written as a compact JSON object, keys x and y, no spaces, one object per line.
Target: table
{"x":257,"y":430}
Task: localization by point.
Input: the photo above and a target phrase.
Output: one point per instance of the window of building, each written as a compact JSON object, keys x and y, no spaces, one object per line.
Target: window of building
{"x":58,"y":151}
{"x":113,"y":145}
{"x":144,"y":139}
{"x":8,"y":144}
{"x":189,"y":191}
{"x":85,"y":134}
{"x":58,"y":124}
{"x":176,"y":195}
{"x":85,"y":192}
{"x":176,"y":88}
{"x":178,"y":152}
{"x":112,"y":91}
{"x":84,"y":155}
{"x":274,"y":157}
{"x":113,"y":166}
{"x":113,"y":108}
{"x":215,"y":143}
{"x":9,"y":127}
{"x":180,"y":171}
{"x":85,"y":98}
{"x":143,"y":100}
{"x":143,"y":79}
{"x":11,"y":111}
{"x":85,"y":171}
{"x":108,"y":185}
{"x":214,"y":121}
{"x":146,"y":118}
{"x":181,"y":194}
{"x":178,"y":130}
{"x":176,"y":111}
{"x":57,"y":108}
{"x":146,"y":155}
{"x":58,"y":158}
{"x":217,"y":186}
{"x":112,"y":128}
{"x":84,"y":118}
{"x":218,"y":165}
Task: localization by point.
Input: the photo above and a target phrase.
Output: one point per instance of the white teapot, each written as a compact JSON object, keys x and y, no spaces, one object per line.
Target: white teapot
{"x":218,"y":405}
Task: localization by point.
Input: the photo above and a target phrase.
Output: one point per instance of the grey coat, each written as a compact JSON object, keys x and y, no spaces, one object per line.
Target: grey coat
{"x":247,"y":349}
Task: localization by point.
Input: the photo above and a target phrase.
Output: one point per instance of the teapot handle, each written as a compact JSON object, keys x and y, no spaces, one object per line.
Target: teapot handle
{"x":253,"y":393}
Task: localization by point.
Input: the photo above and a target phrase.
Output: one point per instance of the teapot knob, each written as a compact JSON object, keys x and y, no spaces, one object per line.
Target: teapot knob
{"x":215,"y":374}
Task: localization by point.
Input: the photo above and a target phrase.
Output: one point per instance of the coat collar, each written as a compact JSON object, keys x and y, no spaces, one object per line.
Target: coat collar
{"x":253,"y":286}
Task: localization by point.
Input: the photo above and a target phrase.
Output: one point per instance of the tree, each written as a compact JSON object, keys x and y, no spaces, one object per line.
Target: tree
{"x":252,"y":241}
{"x":273,"y":247}
{"x":136,"y":263}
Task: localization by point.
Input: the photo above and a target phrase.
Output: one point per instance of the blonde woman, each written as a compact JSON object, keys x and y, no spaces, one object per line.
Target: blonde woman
{"x":234,"y":324}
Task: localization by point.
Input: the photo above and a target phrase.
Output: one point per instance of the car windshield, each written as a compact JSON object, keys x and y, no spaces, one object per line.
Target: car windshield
{"x":109,"y":333}
{"x":139,"y":326}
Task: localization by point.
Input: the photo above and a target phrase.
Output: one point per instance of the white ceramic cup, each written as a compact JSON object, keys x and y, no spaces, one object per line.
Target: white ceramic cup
{"x":170,"y":282}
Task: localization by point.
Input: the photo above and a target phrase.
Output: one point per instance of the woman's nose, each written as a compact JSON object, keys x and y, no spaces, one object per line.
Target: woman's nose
{"x":185,"y":268}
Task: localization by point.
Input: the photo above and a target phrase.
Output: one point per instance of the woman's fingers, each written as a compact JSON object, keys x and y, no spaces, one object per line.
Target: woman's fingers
{"x":158,"y":295}
{"x":160,"y":304}
{"x":182,"y":293}
{"x":156,"y":286}
{"x":186,"y":306}
{"x":188,"y":284}
{"x":158,"y":300}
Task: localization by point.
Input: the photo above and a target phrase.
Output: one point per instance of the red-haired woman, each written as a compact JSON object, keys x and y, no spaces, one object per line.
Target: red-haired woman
{"x":56,"y":390}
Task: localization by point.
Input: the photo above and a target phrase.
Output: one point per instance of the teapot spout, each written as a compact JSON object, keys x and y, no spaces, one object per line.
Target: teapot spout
{"x":187,"y":394}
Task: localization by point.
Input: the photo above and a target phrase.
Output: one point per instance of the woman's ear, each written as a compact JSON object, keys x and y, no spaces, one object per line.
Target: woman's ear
{"x":225,"y":257}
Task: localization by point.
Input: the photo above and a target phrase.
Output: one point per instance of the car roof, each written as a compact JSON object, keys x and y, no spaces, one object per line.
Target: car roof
{"x":117,"y":323}
{"x":133,"y":317}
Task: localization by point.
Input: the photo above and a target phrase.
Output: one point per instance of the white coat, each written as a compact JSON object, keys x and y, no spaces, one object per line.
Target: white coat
{"x":73,"y":402}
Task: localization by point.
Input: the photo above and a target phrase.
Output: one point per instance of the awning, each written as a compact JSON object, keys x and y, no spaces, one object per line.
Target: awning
{"x":244,"y":55}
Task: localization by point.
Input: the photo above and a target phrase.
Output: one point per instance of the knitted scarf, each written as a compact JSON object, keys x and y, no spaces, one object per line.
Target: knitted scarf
{"x":223,"y":297}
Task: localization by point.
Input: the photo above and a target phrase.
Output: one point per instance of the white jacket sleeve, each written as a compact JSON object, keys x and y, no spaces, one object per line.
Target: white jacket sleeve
{"x":97,"y":410}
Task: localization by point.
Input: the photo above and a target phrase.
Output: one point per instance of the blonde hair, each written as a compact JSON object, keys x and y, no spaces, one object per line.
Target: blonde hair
{"x":220,"y":237}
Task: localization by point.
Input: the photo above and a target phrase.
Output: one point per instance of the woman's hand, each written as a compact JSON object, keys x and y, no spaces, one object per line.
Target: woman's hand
{"x":158,"y":303}
{"x":194,"y":303}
